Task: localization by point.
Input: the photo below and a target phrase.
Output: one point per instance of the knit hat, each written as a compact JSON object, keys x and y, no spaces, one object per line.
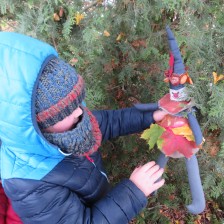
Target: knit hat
{"x":60,"y":91}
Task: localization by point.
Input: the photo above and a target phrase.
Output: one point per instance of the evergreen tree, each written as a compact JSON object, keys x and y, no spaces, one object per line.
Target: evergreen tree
{"x":120,"y":47}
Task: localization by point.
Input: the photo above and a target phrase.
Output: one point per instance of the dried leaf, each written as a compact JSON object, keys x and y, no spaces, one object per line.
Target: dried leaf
{"x":56,"y":17}
{"x":120,"y":36}
{"x":61,"y":12}
{"x":139,"y":43}
{"x":78,"y":18}
{"x":108,"y":68}
{"x":73,"y":61}
{"x":106,"y":33}
{"x":217,"y":77}
{"x":208,"y":216}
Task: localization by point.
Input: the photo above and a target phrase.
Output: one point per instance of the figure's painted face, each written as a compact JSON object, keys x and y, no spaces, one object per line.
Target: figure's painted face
{"x":175,"y":80}
{"x":178,"y":95}
{"x":67,"y":123}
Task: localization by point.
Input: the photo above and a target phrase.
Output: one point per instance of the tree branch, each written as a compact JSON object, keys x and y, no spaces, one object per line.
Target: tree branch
{"x":91,"y":5}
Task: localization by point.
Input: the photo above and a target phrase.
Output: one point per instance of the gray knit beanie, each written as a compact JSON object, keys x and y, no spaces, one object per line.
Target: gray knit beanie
{"x":60,"y":91}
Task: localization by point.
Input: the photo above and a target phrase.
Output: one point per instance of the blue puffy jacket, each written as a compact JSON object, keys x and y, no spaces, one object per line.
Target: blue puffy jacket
{"x":44,"y":185}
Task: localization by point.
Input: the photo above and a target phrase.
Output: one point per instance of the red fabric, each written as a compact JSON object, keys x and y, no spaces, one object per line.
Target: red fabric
{"x":7,"y":214}
{"x":3,"y":205}
{"x":169,"y":72}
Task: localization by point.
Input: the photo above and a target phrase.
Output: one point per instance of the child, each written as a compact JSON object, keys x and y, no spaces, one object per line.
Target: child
{"x":51,"y":164}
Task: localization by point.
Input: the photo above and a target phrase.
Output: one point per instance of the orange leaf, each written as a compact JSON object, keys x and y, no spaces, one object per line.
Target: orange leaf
{"x":183,"y":79}
{"x":189,"y":80}
{"x":217,"y":77}
{"x":56,"y":17}
{"x":106,"y":33}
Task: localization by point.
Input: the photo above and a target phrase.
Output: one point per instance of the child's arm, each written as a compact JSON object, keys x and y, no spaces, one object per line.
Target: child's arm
{"x":114,"y":123}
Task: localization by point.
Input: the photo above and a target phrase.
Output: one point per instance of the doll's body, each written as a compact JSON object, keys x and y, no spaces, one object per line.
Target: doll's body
{"x":179,"y":127}
{"x":178,"y":104}
{"x":178,"y":130}
{"x":180,"y":134}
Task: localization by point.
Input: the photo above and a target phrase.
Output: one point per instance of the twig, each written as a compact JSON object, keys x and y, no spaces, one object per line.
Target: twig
{"x":91,"y":5}
{"x":157,"y":206}
{"x":114,"y":87}
{"x":55,"y":45}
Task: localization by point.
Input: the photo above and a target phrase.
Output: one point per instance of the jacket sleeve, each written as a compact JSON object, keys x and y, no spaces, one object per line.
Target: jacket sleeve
{"x":47,"y":203}
{"x":114,"y":123}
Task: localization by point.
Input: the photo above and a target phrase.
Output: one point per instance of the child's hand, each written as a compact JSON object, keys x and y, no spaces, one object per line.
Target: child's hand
{"x":158,"y":115}
{"x":144,"y":177}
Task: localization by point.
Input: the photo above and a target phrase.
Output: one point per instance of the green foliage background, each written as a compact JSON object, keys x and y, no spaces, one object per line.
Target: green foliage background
{"x":127,"y":66}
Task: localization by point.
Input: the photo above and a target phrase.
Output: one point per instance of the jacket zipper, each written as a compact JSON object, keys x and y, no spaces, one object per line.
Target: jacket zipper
{"x":92,"y":161}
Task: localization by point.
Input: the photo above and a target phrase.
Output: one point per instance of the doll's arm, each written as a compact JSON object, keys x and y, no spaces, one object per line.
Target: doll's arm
{"x":147,"y":106}
{"x":195,"y":128}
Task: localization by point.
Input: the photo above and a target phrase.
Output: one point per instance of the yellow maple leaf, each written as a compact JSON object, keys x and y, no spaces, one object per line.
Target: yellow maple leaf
{"x":78,"y":18}
{"x":185,"y":131}
{"x":217,"y":77}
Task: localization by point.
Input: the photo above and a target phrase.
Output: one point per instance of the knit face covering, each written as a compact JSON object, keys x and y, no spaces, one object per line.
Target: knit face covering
{"x":84,"y":139}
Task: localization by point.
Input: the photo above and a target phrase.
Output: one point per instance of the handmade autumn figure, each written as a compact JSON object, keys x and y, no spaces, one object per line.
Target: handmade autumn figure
{"x":178,"y":134}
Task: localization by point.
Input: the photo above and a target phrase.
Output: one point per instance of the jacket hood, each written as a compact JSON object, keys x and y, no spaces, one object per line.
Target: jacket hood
{"x":24,"y":148}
